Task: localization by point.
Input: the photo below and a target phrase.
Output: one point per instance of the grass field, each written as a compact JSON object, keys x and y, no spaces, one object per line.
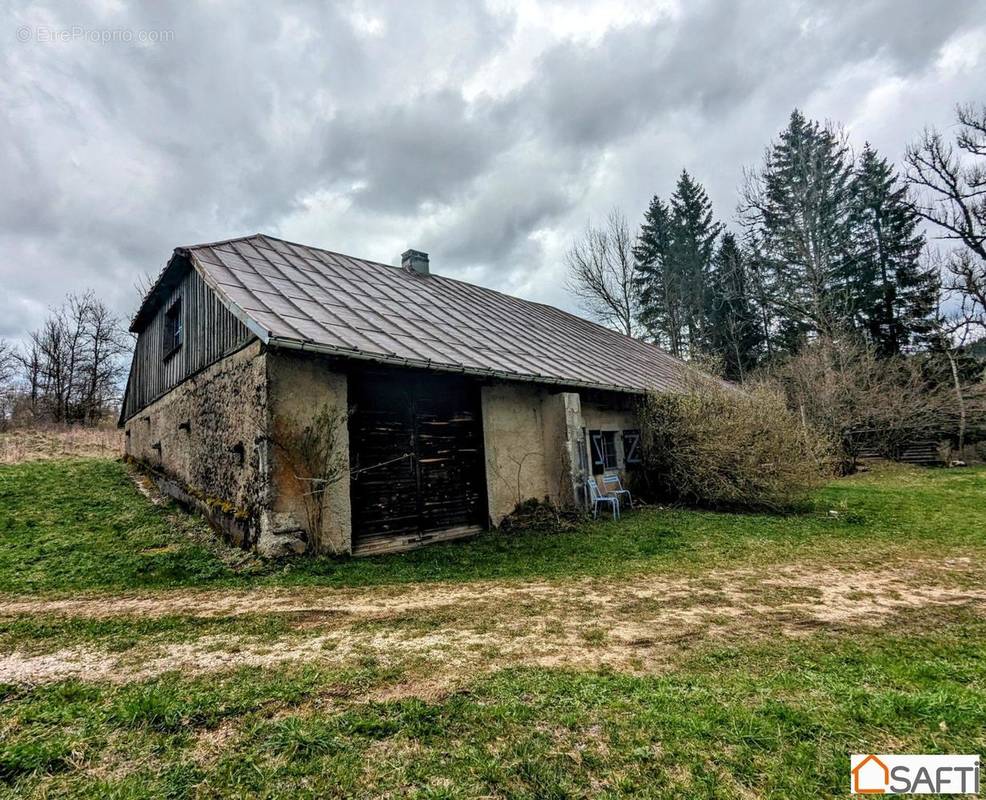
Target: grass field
{"x":71,"y":526}
{"x":675,"y":654}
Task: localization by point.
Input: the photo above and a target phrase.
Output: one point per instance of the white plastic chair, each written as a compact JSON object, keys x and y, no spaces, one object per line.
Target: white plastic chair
{"x":597,"y":499}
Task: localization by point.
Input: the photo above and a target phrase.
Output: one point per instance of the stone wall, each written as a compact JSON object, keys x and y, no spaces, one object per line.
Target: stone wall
{"x":209,"y":435}
{"x":212,"y":441}
{"x":218,"y":438}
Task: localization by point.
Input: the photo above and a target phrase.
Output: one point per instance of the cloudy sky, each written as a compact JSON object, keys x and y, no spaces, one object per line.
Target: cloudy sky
{"x":487,"y":135}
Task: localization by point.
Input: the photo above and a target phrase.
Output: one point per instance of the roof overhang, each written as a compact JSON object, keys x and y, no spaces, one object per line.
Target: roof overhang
{"x":170,"y":276}
{"x":399,"y":361}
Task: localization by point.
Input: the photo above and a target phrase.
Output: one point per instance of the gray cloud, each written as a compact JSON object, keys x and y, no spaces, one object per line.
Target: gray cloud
{"x":487,"y":135}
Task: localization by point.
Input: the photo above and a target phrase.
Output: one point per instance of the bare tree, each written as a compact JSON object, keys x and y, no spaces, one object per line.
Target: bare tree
{"x":950,"y":334}
{"x":602,"y":271}
{"x":29,"y":361}
{"x":143,"y":284}
{"x":8,"y":364}
{"x":104,"y":347}
{"x":952,"y":178}
{"x":73,"y":364}
{"x":845,"y":389}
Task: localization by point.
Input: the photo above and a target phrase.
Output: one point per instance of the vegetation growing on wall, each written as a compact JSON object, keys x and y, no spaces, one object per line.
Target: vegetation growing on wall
{"x":314,"y":461}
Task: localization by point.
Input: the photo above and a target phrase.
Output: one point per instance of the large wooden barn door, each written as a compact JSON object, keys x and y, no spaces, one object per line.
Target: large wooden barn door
{"x":416,"y":445}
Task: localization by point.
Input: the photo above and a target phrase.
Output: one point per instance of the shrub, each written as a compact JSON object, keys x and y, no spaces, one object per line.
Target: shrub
{"x":721,"y":447}
{"x":864,"y":401}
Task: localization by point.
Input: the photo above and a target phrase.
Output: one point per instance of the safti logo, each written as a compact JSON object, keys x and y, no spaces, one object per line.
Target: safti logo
{"x":888,"y":774}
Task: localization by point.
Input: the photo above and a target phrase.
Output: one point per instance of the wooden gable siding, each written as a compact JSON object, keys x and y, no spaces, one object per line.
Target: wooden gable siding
{"x":209,"y":332}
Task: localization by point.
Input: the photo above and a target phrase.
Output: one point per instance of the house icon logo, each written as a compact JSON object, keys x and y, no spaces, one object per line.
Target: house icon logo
{"x":938,"y":773}
{"x":870,"y":776}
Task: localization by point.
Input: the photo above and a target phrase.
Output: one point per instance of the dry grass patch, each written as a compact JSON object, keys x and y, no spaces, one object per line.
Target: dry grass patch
{"x":638,"y":625}
{"x":43,"y":444}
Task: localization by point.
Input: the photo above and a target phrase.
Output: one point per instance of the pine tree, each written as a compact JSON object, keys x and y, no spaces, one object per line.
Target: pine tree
{"x":798,"y":210}
{"x":761,"y":290}
{"x":734,"y":326}
{"x":692,"y":244}
{"x":659,"y":294}
{"x":894,"y":296}
{"x":674,"y":258}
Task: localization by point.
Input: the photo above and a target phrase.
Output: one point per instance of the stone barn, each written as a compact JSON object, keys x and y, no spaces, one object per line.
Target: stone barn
{"x":444,"y":404}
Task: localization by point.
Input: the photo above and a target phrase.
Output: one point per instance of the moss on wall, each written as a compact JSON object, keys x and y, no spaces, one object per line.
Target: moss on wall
{"x":208,"y":435}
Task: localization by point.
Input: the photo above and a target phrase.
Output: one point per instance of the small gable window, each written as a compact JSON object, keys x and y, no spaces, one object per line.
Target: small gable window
{"x":172,"y":329}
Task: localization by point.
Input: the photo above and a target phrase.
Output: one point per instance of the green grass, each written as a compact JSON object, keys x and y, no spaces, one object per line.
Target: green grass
{"x":31,"y":633}
{"x":775,"y":719}
{"x":750,"y":712}
{"x":79,"y":525}
{"x":72,"y":526}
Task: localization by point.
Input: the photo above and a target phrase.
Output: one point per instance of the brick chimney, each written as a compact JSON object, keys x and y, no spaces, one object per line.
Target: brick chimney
{"x":415,"y":261}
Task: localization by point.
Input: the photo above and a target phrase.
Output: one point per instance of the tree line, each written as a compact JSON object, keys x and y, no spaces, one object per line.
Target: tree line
{"x":828,"y":243}
{"x":69,"y":370}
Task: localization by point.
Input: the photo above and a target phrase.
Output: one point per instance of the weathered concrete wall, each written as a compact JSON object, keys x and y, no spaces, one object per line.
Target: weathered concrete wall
{"x":530,"y":435}
{"x":300,"y":387}
{"x":209,"y":434}
{"x":215,"y":438}
{"x":562,"y":420}
{"x":515,"y":465}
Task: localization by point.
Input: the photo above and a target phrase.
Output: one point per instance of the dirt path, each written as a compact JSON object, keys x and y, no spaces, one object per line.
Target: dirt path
{"x":459,"y":629}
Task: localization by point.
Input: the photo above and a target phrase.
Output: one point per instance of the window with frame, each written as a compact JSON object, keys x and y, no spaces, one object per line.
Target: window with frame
{"x":603,"y":446}
{"x":172,"y":329}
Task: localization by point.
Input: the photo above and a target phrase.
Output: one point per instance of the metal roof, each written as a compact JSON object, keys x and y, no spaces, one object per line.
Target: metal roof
{"x":306,"y":298}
